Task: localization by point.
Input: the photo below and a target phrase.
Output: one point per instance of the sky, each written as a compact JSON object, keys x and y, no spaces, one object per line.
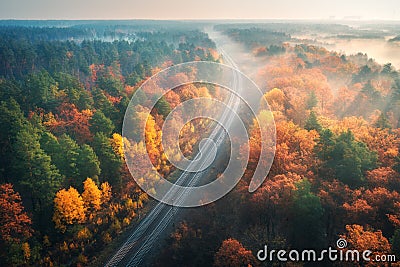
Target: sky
{"x":200,"y":9}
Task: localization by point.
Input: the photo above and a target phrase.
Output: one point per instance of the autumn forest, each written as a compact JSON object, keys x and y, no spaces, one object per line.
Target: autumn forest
{"x":67,"y":197}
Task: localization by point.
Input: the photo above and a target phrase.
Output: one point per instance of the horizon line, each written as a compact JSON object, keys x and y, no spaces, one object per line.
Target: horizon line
{"x":199,"y":19}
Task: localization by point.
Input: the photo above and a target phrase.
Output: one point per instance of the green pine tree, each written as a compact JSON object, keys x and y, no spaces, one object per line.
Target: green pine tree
{"x":163,"y":107}
{"x":312,"y":123}
{"x":100,"y":123}
{"x":110,"y":163}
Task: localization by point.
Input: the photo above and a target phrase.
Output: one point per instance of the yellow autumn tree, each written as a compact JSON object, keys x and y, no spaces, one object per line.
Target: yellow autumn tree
{"x":276,"y":100}
{"x":153,"y":139}
{"x":26,"y":249}
{"x":117,"y":144}
{"x":203,"y":92}
{"x":91,"y":195}
{"x":105,"y":192}
{"x":68,"y":208}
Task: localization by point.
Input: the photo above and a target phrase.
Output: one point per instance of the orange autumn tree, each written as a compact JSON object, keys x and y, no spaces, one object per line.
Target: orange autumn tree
{"x":68,"y":208}
{"x":294,"y":149}
{"x":276,"y":191}
{"x":359,"y":210}
{"x":172,"y":98}
{"x":275,"y":98}
{"x":70,"y":120}
{"x":14,"y":222}
{"x":270,"y":201}
{"x":384,"y":202}
{"x":363,"y":239}
{"x":232,"y":253}
{"x":384,"y":177}
{"x":256,"y":143}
